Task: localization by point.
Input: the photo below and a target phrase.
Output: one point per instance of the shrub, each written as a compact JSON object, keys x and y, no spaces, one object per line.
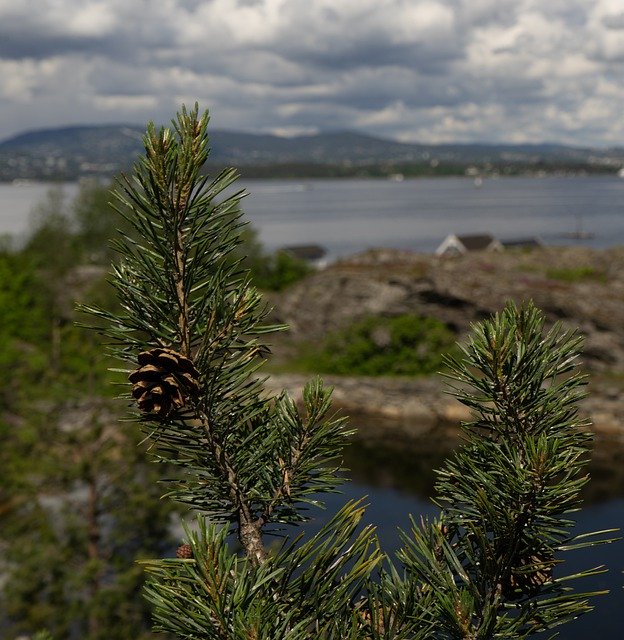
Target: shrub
{"x":576,"y":274}
{"x":279,"y":270}
{"x":405,"y":345}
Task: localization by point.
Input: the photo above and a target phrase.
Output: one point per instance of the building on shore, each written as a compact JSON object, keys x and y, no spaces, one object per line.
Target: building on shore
{"x":454,"y":245}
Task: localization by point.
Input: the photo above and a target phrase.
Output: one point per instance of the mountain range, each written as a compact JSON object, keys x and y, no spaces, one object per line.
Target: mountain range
{"x":76,"y":151}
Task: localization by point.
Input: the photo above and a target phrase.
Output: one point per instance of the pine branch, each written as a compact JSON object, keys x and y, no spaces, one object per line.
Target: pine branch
{"x":506,"y":495}
{"x":192,"y":335}
{"x":300,"y":592}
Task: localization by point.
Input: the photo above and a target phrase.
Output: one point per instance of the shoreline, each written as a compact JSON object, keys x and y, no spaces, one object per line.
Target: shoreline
{"x":417,"y":410}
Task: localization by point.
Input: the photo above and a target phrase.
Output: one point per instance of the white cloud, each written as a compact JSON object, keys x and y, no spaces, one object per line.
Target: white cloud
{"x":414,"y":69}
{"x":91,"y":20}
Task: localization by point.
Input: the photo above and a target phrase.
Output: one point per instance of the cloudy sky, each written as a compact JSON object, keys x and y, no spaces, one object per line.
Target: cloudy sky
{"x":414,"y":70}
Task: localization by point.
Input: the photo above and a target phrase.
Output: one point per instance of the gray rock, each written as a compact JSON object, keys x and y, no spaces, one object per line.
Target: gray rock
{"x":583,"y":289}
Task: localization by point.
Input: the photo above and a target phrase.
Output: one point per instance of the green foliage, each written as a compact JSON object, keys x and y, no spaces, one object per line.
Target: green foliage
{"x":191,"y":326}
{"x":25,"y":328}
{"x":506,"y":494}
{"x":39,"y":284}
{"x":76,"y":525}
{"x":273,"y":271}
{"x":278,"y":271}
{"x":249,"y":461}
{"x":51,"y":242}
{"x":300,"y":591}
{"x":67,"y":233}
{"x":24,"y":300}
{"x":64,"y":567}
{"x":576,"y":274}
{"x":39,"y":344}
{"x":405,"y":345}
{"x":179,"y":289}
{"x":94,"y":222}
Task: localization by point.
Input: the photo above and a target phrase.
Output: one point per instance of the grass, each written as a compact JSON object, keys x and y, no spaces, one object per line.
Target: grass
{"x":576,"y":274}
{"x":405,"y":345}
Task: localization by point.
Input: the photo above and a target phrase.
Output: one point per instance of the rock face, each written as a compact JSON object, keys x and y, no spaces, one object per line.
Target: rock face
{"x":420,"y":411}
{"x":395,"y":410}
{"x":581,"y":288}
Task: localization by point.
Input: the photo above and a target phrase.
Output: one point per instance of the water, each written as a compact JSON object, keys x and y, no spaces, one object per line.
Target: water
{"x":18,"y":201}
{"x":399,"y":481}
{"x":347,"y":216}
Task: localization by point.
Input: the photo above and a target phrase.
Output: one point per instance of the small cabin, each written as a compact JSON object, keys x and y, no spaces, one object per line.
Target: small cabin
{"x":313,"y":254}
{"x":454,"y":245}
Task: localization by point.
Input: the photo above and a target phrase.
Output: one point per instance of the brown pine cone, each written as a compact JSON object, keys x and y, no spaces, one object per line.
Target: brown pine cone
{"x":163,"y":381}
{"x":184,"y":551}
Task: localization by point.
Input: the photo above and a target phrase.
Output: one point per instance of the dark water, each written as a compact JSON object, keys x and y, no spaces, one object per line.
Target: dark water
{"x":398,"y":481}
{"x":347,"y":216}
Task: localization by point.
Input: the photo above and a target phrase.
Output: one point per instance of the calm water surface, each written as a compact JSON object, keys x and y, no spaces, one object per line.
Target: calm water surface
{"x":346,"y":216}
{"x":350,"y":215}
{"x":18,"y":201}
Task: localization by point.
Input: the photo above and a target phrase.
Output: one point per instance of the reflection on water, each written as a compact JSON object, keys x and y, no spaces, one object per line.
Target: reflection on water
{"x":410,"y":467}
{"x":405,"y":469}
{"x":398,"y":480}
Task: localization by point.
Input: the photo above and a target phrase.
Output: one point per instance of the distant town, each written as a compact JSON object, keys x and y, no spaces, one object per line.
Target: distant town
{"x":72,"y":153}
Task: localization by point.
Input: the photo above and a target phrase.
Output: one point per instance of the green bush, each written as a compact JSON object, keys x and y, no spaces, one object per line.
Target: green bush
{"x":269,"y":271}
{"x":278,"y":271}
{"x":405,"y":345}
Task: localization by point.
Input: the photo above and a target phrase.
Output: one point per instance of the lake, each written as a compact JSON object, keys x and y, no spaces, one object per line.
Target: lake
{"x":346,"y":216}
{"x":399,"y":480}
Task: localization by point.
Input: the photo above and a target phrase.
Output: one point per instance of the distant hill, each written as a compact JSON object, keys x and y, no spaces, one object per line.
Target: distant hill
{"x":70,"y":152}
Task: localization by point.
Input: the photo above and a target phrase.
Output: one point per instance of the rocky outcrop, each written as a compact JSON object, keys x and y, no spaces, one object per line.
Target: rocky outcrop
{"x":582,"y":288}
{"x":396,"y":410}
{"x":417,"y":410}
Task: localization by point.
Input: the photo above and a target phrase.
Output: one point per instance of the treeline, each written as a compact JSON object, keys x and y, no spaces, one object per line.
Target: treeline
{"x":301,"y":170}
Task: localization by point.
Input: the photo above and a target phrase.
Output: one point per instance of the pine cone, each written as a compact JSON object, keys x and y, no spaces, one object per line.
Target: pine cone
{"x":163,"y":381}
{"x":531,"y":573}
{"x":184,"y":551}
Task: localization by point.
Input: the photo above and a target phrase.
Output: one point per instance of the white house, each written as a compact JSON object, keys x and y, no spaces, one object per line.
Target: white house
{"x":454,"y":245}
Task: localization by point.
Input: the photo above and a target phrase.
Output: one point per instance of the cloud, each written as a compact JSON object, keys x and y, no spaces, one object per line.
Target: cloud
{"x":430,"y":70}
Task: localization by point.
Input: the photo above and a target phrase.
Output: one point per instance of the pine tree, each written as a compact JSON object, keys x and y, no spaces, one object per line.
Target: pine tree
{"x":192,"y":335}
